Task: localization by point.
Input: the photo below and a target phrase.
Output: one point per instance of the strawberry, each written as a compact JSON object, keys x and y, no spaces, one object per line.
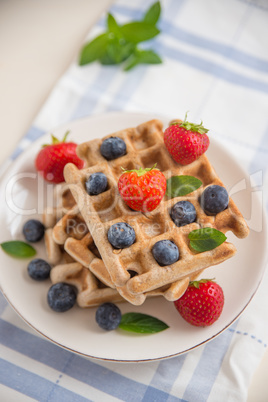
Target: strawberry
{"x":143,"y":189}
{"x":202,"y":303}
{"x":52,"y":158}
{"x":186,"y":141}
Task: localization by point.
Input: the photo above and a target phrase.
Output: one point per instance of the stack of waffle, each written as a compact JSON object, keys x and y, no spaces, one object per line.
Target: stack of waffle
{"x":77,"y":227}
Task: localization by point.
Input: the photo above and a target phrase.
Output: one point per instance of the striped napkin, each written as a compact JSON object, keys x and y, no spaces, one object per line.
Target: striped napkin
{"x":215,"y":64}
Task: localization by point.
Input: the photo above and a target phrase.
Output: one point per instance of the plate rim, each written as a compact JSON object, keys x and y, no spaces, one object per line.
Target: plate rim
{"x":138,"y":115}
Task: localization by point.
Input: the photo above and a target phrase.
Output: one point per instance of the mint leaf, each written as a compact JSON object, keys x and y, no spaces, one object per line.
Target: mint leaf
{"x":94,"y":50}
{"x":141,"y":323}
{"x":18,"y":249}
{"x":153,"y":14}
{"x":206,"y":239}
{"x":117,"y":51}
{"x":139,"y":31}
{"x":113,"y":27}
{"x":178,"y":186}
{"x":142,"y":57}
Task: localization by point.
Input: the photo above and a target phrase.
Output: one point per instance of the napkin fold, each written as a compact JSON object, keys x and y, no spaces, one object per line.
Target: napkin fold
{"x":215,"y":64}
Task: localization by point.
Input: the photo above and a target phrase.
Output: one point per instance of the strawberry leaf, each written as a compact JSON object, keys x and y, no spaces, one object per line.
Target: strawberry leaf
{"x":18,"y":249}
{"x":206,"y":239}
{"x":178,"y":186}
{"x":141,"y":323}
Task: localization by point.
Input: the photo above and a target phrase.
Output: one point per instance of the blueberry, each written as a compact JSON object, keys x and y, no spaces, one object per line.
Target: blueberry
{"x":39,"y":269}
{"x":183,"y":213}
{"x":165,"y":252}
{"x":33,"y":230}
{"x":108,"y":316}
{"x":96,"y":183}
{"x":214,"y":199}
{"x":113,"y":148}
{"x":61,"y":297}
{"x":121,"y":235}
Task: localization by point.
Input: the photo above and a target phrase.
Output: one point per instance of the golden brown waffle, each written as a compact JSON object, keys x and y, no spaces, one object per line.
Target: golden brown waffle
{"x":145,"y":147}
{"x":55,"y":253}
{"x":63,"y":202}
{"x":90,"y":291}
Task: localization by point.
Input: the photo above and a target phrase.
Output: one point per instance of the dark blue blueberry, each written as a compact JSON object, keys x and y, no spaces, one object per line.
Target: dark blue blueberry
{"x":108,"y":316}
{"x":33,"y":230}
{"x":183,"y":213}
{"x":214,"y":199}
{"x":165,"y":252}
{"x":121,"y":235}
{"x":39,"y":269}
{"x":113,"y":148}
{"x":61,"y":297}
{"x":96,"y":183}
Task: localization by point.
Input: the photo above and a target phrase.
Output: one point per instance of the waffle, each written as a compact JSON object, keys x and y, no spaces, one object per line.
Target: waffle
{"x":70,"y":237}
{"x":90,"y":291}
{"x":145,"y":146}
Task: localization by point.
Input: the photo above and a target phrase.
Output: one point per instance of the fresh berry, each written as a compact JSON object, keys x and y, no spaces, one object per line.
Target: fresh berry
{"x":202,"y":303}
{"x":108,"y":316}
{"x":52,"y":158}
{"x":121,"y":235}
{"x":113,"y":148}
{"x":186,"y":141}
{"x":183,"y":213}
{"x":143,"y":189}
{"x":96,"y":183}
{"x":33,"y":230}
{"x":214,"y":199}
{"x":165,"y":252}
{"x":61,"y":297}
{"x":39,"y":269}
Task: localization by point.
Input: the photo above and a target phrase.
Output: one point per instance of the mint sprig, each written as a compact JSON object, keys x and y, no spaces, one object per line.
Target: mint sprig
{"x":141,"y":323}
{"x":119,"y":42}
{"x":206,"y":239}
{"x":178,"y":186}
{"x":18,"y":249}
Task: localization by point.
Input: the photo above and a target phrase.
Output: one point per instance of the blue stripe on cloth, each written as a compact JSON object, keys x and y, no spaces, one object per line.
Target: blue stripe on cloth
{"x":166,"y":374}
{"x":33,"y":385}
{"x":3,"y":304}
{"x":94,"y":91}
{"x":212,"y":68}
{"x":153,"y":395}
{"x":75,"y":366}
{"x":32,"y":134}
{"x":199,"y":41}
{"x":208,"y":367}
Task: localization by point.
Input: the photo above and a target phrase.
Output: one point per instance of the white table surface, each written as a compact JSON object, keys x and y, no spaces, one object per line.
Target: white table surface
{"x":32,"y":58}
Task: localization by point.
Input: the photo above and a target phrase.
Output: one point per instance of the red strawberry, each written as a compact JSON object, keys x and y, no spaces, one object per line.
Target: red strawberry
{"x":143,"y":189}
{"x":186,"y":141}
{"x":202,"y":303}
{"x":51,"y":160}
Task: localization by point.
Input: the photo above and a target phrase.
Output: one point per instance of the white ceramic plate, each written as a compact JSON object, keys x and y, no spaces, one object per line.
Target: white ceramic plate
{"x":76,"y":330}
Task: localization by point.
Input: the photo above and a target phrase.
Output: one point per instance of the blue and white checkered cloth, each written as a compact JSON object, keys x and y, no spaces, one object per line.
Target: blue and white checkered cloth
{"x":215,"y":65}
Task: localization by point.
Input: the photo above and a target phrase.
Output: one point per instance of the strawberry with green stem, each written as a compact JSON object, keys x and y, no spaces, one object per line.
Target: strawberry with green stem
{"x":202,"y":303}
{"x":186,"y":141}
{"x":142,"y":189}
{"x":52,"y":158}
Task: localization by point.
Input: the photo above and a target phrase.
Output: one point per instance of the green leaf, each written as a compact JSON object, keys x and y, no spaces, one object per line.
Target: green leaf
{"x":117,"y":51}
{"x":178,"y":186}
{"x":94,"y":50}
{"x":206,"y":239}
{"x":153,"y":14}
{"x":141,"y":323}
{"x":113,"y":27}
{"x":139,"y":31}
{"x":18,"y":249}
{"x":142,"y":57}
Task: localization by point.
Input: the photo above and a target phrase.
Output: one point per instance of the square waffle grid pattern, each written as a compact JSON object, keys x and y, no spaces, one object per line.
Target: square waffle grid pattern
{"x":71,"y":248}
{"x":145,"y":147}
